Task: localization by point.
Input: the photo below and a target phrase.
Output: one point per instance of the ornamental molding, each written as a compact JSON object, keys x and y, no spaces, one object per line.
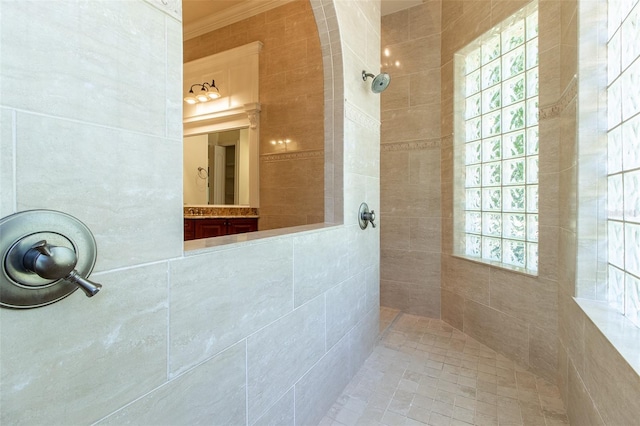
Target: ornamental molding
{"x":357,"y":116}
{"x":555,"y":110}
{"x":299,"y":155}
{"x":411,"y":146}
{"x":172,"y":7}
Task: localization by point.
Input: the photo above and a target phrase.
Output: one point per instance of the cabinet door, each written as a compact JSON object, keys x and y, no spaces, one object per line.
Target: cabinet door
{"x":206,"y":228}
{"x":189,"y":229}
{"x":239,"y":226}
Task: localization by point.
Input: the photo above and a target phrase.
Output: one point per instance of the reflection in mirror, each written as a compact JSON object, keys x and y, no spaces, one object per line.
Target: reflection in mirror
{"x":216,"y":168}
{"x":289,"y":93}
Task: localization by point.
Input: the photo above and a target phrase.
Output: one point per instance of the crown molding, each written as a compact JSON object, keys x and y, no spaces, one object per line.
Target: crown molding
{"x":229,"y":16}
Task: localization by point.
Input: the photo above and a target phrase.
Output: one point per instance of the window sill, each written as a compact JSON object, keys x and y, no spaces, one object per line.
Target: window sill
{"x":499,"y":265}
{"x":617,"y":329}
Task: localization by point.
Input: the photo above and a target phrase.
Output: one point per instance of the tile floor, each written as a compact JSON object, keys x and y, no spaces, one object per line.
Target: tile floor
{"x":424,"y":372}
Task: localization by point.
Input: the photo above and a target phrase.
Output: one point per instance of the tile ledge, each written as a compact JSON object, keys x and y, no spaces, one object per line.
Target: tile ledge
{"x":623,"y":335}
{"x":206,"y":245}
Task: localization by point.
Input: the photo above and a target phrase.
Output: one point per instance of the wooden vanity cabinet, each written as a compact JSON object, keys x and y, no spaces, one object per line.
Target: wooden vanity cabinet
{"x":216,"y":227}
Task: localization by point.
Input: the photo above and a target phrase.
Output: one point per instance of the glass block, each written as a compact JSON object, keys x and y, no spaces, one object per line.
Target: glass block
{"x":532,"y":256}
{"x":490,"y":49}
{"x":513,"y":145}
{"x":513,"y":172}
{"x":615,"y":200}
{"x":491,"y":124}
{"x":532,"y":140}
{"x":614,"y":115}
{"x":632,"y":248}
{"x":472,"y":176}
{"x":632,"y":299}
{"x":491,"y":174}
{"x":491,"y":149}
{"x":615,"y":243}
{"x":632,"y":196}
{"x":513,"y":199}
{"x":514,"y":117}
{"x":492,"y":199}
{"x":614,"y":56}
{"x":514,"y":253}
{"x":630,"y":83}
{"x":515,"y":226}
{"x":631,"y":143}
{"x":472,"y":83}
{"x":492,"y":248}
{"x":492,"y":224}
{"x":473,"y":129}
{"x":473,"y":245}
{"x":614,"y":18}
{"x":532,"y":111}
{"x":473,"y":223}
{"x":472,"y":61}
{"x":532,"y":25}
{"x":614,"y":150}
{"x":513,"y":36}
{"x":532,"y":169}
{"x":472,"y":199}
{"x":532,"y":54}
{"x":615,"y":288}
{"x":513,"y":90}
{"x":513,"y":63}
{"x":491,"y":74}
{"x":532,"y":227}
{"x":472,"y":152}
{"x":491,"y":99}
{"x":630,"y":37}
{"x":532,"y":83}
{"x":472,"y":106}
{"x":532,"y":198}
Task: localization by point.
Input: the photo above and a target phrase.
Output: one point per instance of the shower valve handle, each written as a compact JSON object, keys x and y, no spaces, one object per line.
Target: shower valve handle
{"x":57,"y":262}
{"x":369,"y":216}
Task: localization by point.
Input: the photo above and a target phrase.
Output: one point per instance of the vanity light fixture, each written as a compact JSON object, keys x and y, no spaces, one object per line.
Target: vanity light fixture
{"x":207,"y":92}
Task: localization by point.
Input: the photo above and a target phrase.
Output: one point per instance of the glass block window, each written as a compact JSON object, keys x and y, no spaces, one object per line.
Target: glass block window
{"x":623,"y":194}
{"x":496,"y":143}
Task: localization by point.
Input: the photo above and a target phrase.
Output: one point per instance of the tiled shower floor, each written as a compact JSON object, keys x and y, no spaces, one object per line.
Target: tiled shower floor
{"x":424,"y":372}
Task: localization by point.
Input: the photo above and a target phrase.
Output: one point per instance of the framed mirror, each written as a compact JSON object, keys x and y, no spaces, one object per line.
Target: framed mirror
{"x":221,"y":158}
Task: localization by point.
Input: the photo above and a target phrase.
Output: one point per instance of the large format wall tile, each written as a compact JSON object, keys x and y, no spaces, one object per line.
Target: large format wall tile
{"x":346,"y":305}
{"x":281,"y":413}
{"x":501,"y":332}
{"x":316,"y":267}
{"x":214,"y":394}
{"x":136,"y":175}
{"x":59,"y":359}
{"x":86,"y":85}
{"x":320,"y":387}
{"x":7,"y":177}
{"x":281,"y":353}
{"x":220,"y":298}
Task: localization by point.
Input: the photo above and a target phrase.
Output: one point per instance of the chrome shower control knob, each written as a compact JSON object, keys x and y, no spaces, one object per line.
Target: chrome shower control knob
{"x":50,"y":262}
{"x":55,"y":263}
{"x":369,"y":216}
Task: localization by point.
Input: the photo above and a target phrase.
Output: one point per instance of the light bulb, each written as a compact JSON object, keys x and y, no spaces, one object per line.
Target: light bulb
{"x":190,"y":100}
{"x":202,"y":97}
{"x":214,"y":95}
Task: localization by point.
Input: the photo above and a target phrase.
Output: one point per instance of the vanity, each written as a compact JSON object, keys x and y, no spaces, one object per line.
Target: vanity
{"x":206,"y":222}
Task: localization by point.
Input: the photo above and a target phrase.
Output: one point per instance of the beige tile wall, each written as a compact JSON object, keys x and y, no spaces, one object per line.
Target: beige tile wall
{"x":225,"y":334}
{"x":410,"y":161}
{"x":292,"y":107}
{"x":521,"y":309}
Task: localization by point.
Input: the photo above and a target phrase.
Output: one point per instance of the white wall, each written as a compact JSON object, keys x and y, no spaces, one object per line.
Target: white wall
{"x":240,"y":334}
{"x":195,"y":154}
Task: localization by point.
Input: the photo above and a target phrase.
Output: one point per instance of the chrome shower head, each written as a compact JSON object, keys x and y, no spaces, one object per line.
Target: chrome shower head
{"x":380,"y":82}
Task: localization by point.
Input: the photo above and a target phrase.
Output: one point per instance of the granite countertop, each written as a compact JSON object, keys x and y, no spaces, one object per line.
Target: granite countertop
{"x":206,"y":212}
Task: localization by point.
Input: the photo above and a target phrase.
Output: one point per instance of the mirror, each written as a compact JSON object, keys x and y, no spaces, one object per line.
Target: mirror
{"x":216,"y":168}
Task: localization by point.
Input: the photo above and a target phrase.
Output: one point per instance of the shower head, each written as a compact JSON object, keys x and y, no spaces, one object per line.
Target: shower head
{"x":380,"y":82}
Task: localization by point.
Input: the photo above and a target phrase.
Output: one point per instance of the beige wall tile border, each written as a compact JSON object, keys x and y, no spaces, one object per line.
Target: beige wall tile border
{"x":411,"y":146}
{"x":554,"y":110}
{"x":359,"y":117}
{"x":300,"y":155}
